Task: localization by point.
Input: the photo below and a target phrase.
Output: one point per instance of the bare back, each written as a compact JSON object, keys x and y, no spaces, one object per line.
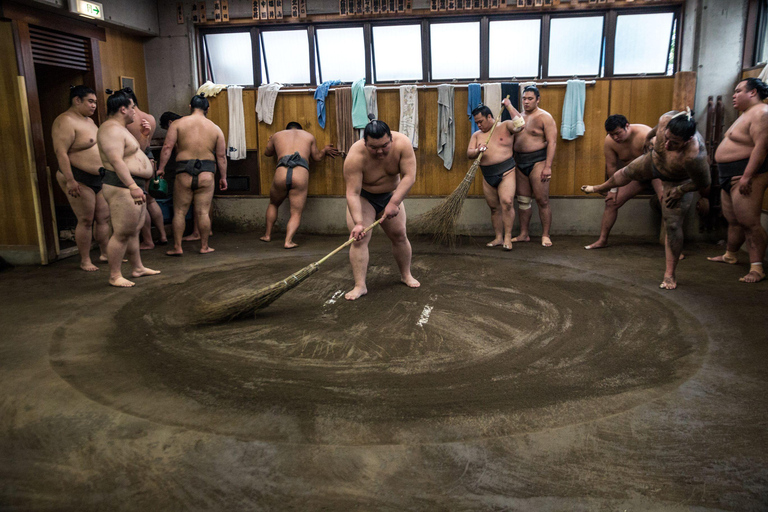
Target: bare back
{"x":196,"y":138}
{"x":738,"y":142}
{"x":533,"y":137}
{"x":75,"y":135}
{"x":288,"y":142}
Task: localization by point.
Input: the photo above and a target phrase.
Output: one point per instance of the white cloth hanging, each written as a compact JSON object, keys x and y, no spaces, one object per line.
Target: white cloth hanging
{"x":236,"y":144}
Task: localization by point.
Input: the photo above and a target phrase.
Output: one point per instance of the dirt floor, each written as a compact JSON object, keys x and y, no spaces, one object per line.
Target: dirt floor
{"x":534,"y":380}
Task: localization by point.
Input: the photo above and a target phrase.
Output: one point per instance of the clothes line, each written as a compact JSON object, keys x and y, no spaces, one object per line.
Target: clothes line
{"x":464,"y":86}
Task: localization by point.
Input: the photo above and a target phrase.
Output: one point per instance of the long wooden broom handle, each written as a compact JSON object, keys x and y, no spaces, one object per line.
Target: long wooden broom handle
{"x":348,"y":242}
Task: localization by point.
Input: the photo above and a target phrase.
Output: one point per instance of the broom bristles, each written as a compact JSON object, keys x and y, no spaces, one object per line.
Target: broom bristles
{"x":246,"y":304}
{"x":440,"y":221}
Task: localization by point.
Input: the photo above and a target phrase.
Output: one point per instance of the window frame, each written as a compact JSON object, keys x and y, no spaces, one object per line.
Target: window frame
{"x":676,"y":25}
{"x":607,"y":53}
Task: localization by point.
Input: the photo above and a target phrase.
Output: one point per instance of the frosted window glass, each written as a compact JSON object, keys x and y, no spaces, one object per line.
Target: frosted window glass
{"x":287,"y":56}
{"x":341,"y":54}
{"x":455,"y":50}
{"x":231,"y":58}
{"x":574,"y":46}
{"x":507,"y":57}
{"x":642,"y":43}
{"x":397,"y":53}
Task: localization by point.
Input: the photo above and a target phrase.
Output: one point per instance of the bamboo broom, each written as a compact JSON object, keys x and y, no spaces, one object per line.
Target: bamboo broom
{"x":440,"y":221}
{"x":245,"y":304}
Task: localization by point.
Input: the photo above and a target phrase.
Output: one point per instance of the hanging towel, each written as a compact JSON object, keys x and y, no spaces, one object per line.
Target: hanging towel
{"x":236,"y":143}
{"x":372,"y":101}
{"x":573,"y":110}
{"x":473,"y":101}
{"x":210,"y":89}
{"x":512,"y":90}
{"x":265,"y":103}
{"x":492,"y":97}
{"x":320,"y":93}
{"x":359,"y":107}
{"x":409,"y":113}
{"x":345,"y":133}
{"x":764,"y":74}
{"x":446,"y":129}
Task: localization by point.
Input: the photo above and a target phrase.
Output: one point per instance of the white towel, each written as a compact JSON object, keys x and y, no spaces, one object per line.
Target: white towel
{"x":409,"y":113}
{"x":265,"y":103}
{"x":446,"y":128}
{"x":210,"y":89}
{"x":371,"y":100}
{"x":764,"y":73}
{"x":236,"y":144}
{"x":492,"y":97}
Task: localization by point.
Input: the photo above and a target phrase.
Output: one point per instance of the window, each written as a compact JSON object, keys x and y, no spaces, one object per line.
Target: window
{"x":340,"y":54}
{"x":230,"y":58}
{"x":575,"y":46}
{"x":761,"y":47}
{"x":455,"y":50}
{"x":509,"y":58}
{"x":285,"y":56}
{"x":397,"y":53}
{"x":643,"y":43}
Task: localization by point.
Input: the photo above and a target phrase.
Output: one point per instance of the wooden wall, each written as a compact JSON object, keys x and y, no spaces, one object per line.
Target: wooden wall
{"x":17,"y":202}
{"x":576,"y":162}
{"x":123,"y":55}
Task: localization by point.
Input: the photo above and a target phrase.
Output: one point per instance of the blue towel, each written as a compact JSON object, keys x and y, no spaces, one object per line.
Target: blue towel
{"x":320,"y":93}
{"x":573,"y":110}
{"x":359,"y":107}
{"x":473,"y":101}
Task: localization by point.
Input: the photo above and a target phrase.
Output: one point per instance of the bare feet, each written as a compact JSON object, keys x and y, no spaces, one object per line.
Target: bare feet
{"x":507,"y":247}
{"x":121,"y":282}
{"x":410,"y":282}
{"x":724,"y":259}
{"x":597,"y":245}
{"x":290,"y":245}
{"x":144,"y":271}
{"x":753,"y":277}
{"x":669,"y":283}
{"x":266,"y":238}
{"x":681,"y":258}
{"x":174,"y":252}
{"x":519,"y":238}
{"x":192,"y":237}
{"x":146,"y":247}
{"x":88,"y":266}
{"x":355,"y":293}
{"x":206,"y":250}
{"x":162,"y":242}
{"x":546,"y":241}
{"x":103,"y":258}
{"x":495,"y":242}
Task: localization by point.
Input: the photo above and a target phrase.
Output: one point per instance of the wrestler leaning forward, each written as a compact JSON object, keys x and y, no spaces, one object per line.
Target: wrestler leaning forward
{"x":74,"y":143}
{"x":624,"y":143}
{"x":126,"y":169}
{"x":534,"y":154}
{"x":379,"y":171}
{"x":200,"y":149}
{"x":743,"y":169}
{"x":679,"y":160}
{"x":498,"y":168}
{"x":293,"y":147}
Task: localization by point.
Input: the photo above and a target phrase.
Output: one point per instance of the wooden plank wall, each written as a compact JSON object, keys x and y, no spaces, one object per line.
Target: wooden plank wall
{"x":17,"y":210}
{"x":576,"y":162}
{"x":123,"y":55}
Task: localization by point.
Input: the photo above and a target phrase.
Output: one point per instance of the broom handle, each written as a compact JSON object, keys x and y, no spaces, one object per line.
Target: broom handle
{"x":348,"y":242}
